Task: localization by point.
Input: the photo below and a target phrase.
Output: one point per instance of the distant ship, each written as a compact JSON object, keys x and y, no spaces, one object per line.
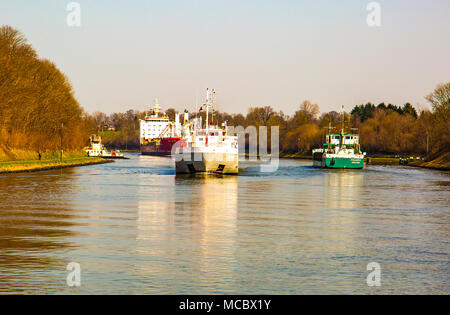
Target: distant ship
{"x":97,"y":149}
{"x":157,"y":133}
{"x":341,"y":150}
{"x":209,"y":149}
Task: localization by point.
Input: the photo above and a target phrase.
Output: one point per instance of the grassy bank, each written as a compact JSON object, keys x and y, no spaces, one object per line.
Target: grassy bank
{"x":16,"y":161}
{"x":383,"y":161}
{"x":441,"y":162}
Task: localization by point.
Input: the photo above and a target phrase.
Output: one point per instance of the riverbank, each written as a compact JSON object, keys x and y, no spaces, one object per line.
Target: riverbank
{"x":15,"y":162}
{"x":377,"y":160}
{"x":295,"y":156}
{"x":383,"y":161}
{"x":441,"y":163}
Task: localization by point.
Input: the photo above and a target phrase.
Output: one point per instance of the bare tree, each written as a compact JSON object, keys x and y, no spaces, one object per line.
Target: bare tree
{"x":311,"y":110}
{"x":440,"y":96}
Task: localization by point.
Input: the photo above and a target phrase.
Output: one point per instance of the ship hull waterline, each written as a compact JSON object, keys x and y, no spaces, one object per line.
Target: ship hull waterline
{"x":339,"y":163}
{"x":207,"y":162}
{"x":156,"y":153}
{"x":163,"y":147}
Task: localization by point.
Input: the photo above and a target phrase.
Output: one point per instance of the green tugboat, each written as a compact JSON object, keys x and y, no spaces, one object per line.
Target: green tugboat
{"x":341,"y":151}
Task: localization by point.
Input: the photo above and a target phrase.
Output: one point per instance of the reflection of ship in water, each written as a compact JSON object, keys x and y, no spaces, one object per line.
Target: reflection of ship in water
{"x":343,"y":189}
{"x":328,"y":211}
{"x":208,"y":199}
{"x":199,"y":218}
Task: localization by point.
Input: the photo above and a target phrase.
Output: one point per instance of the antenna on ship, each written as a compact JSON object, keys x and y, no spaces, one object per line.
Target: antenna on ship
{"x":156,"y":107}
{"x":329,"y":135}
{"x":210,"y":97}
{"x":343,"y":126}
{"x":213,"y":101}
{"x":330,"y":128}
{"x":207,"y":109}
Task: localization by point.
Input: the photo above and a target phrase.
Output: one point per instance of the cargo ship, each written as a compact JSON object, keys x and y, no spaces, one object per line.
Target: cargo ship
{"x":157,"y":133}
{"x":341,"y":150}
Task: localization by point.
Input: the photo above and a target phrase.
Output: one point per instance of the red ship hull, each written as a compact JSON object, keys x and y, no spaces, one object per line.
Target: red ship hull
{"x":161,"y":147}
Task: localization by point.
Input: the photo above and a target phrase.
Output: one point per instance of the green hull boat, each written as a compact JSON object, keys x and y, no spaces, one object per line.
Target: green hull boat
{"x":341,"y":162}
{"x":341,"y":151}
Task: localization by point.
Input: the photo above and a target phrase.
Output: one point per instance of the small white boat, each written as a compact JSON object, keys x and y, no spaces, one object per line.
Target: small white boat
{"x":97,"y":149}
{"x":209,"y":149}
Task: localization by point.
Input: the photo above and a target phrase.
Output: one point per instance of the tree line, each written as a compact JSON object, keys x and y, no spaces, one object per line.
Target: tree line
{"x":384,"y":129}
{"x":38,"y":110}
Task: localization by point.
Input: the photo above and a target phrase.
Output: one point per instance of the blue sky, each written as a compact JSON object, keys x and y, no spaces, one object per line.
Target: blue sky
{"x":253,"y":52}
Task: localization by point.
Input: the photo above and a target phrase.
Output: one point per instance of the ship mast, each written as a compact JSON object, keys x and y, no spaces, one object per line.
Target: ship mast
{"x":343,"y":126}
{"x":156,"y":107}
{"x":329,"y":135}
{"x":210,"y":98}
{"x":207,"y":110}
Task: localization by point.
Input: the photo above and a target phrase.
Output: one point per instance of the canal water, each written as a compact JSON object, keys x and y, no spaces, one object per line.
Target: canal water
{"x":134,"y":227}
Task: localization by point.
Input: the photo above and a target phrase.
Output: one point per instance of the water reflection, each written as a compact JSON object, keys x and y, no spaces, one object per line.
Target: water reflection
{"x":342,"y":189}
{"x":195,"y":226}
{"x":136,"y":227}
{"x":35,"y":216}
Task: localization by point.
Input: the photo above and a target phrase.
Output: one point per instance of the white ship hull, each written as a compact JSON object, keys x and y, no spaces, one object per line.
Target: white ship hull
{"x":207,"y":162}
{"x":105,"y":154}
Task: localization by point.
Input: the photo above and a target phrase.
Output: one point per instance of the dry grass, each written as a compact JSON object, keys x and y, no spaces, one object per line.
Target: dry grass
{"x":25,"y":161}
{"x":442,"y":162}
{"x":384,"y":161}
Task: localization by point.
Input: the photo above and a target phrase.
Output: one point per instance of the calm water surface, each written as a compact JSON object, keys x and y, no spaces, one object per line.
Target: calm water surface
{"x":135,"y":227}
